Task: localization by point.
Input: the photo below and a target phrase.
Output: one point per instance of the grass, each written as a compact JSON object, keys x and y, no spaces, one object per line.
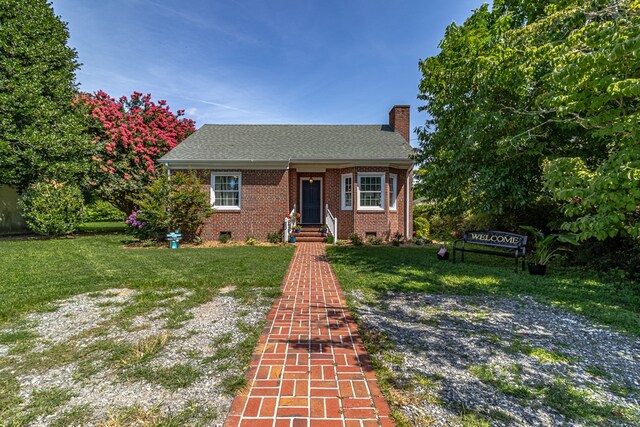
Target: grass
{"x":376,"y":270}
{"x":560,"y":395}
{"x":608,"y":300}
{"x":38,"y":272}
{"x":172,"y":378}
{"x":194,"y":415}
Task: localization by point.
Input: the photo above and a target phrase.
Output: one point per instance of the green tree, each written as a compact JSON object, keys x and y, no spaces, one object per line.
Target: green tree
{"x":529,"y":99}
{"x":170,"y":203}
{"x":41,"y":132}
{"x":595,"y":85}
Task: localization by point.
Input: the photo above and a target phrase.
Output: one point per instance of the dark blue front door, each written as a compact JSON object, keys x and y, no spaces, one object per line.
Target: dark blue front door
{"x":311,"y":204}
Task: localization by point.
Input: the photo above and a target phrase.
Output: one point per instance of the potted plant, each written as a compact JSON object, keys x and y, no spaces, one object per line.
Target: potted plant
{"x":297,"y":229}
{"x":325,"y":228}
{"x":546,"y":247}
{"x":292,"y":239}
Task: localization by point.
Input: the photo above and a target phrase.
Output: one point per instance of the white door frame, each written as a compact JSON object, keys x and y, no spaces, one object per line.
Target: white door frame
{"x":307,"y":178}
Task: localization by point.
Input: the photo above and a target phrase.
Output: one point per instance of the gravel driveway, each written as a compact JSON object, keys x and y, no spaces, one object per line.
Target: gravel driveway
{"x":487,"y":360}
{"x":81,"y":364}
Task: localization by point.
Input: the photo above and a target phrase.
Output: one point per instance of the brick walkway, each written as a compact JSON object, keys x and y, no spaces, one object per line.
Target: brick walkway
{"x":310,"y":368}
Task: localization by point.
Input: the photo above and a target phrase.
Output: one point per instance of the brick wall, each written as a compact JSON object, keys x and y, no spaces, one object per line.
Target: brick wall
{"x":384,"y":222}
{"x":265,"y":201}
{"x":267,"y":195}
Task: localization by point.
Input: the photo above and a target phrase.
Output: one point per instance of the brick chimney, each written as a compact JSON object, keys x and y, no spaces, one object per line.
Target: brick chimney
{"x":399,"y":120}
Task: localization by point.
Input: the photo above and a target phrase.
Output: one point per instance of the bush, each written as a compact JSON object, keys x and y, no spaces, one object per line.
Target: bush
{"x":224,"y":237}
{"x":375,"y":241}
{"x":101,"y":211}
{"x":330,"y":240}
{"x":53,"y":208}
{"x":419,"y":241}
{"x":613,"y":254}
{"x":251,"y":241}
{"x":397,"y":238}
{"x":176,"y":203}
{"x":421,"y":227}
{"x":274,"y":237}
{"x":355,"y":239}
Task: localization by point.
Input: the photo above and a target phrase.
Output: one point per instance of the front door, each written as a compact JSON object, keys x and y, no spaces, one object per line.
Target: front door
{"x":311,"y":204}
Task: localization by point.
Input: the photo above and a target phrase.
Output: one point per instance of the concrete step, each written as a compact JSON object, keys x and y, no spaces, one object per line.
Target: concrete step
{"x":309,"y":239}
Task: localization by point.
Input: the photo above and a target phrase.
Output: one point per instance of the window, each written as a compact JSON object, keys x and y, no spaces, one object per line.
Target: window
{"x":370,"y":191}
{"x":347,"y":192}
{"x":393,"y":191}
{"x":226,"y":191}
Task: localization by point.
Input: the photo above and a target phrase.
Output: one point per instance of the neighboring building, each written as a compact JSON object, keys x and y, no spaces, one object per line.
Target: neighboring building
{"x":257,"y":174}
{"x":11,"y":222}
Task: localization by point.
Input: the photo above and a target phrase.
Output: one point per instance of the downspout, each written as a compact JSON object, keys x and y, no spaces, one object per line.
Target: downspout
{"x":406,"y":213}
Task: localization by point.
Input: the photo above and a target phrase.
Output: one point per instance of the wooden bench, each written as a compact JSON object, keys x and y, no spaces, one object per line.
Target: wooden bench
{"x":506,"y":244}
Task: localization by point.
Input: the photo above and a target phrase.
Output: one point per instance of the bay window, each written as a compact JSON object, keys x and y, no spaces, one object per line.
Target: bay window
{"x":371,"y":191}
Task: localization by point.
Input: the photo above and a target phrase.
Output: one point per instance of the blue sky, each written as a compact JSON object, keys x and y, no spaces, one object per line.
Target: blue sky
{"x":262,"y":61}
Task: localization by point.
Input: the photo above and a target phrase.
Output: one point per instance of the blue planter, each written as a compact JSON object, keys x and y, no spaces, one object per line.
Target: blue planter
{"x":292,"y":239}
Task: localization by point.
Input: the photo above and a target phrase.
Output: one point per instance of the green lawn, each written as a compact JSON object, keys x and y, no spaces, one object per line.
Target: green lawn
{"x":604,"y":298}
{"x":38,"y":272}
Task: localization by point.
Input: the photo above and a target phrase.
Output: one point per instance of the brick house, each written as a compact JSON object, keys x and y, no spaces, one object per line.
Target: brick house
{"x":354,"y":178}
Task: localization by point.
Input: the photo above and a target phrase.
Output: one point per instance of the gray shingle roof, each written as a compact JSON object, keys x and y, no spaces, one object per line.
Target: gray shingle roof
{"x":291,"y":143}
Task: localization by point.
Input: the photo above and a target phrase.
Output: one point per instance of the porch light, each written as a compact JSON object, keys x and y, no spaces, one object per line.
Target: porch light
{"x":311,"y":180}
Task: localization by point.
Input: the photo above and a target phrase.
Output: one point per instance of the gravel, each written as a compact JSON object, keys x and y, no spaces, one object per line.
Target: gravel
{"x":105,"y":391}
{"x":449,"y":339}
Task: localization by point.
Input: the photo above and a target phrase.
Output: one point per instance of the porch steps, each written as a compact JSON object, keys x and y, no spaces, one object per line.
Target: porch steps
{"x":305,"y":239}
{"x":310,"y":234}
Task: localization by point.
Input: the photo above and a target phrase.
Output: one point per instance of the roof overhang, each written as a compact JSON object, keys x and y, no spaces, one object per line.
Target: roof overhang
{"x":225,"y":164}
{"x":287,"y":164}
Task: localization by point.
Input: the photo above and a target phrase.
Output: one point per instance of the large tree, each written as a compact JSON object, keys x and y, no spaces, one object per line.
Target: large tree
{"x":510,"y":96}
{"x":595,"y":85}
{"x":129,"y":135}
{"x":40,"y":131}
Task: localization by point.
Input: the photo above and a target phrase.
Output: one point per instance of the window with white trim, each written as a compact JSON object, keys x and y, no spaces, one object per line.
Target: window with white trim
{"x":347,"y":192}
{"x":226,"y":191}
{"x":371,"y":191}
{"x":393,"y":190}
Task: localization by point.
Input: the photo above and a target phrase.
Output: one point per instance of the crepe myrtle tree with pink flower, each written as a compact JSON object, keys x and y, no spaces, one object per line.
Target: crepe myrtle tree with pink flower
{"x":129,"y":136}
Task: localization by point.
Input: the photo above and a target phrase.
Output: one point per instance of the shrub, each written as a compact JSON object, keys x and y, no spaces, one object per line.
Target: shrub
{"x":355,"y":239}
{"x":224,"y":237}
{"x":53,"y":208}
{"x":375,"y":241}
{"x":251,"y":241}
{"x":176,"y":203}
{"x":419,"y":241}
{"x":274,"y":237}
{"x":100,"y":210}
{"x":421,"y":227}
{"x":330,"y":239}
{"x":397,"y":238}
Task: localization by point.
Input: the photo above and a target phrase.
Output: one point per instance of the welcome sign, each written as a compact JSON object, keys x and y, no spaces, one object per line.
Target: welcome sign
{"x":495,"y":238}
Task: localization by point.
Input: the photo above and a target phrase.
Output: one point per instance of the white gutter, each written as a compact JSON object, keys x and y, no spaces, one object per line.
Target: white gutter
{"x":406,"y":229}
